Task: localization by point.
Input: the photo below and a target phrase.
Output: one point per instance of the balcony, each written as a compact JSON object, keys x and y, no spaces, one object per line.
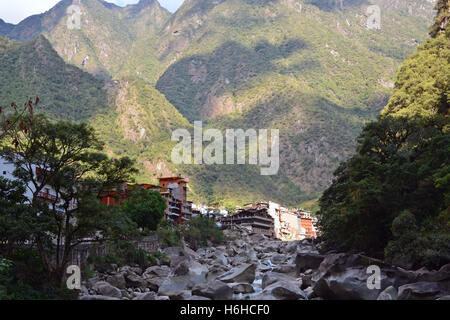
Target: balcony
{"x":47,"y":196}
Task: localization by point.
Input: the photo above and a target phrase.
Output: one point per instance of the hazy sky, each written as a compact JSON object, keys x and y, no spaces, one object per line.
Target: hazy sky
{"x":14,"y":11}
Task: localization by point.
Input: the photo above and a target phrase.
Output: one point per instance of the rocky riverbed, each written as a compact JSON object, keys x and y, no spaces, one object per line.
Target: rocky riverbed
{"x":253,"y":267}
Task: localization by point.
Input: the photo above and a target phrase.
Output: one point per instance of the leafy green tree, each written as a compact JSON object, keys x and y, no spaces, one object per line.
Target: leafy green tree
{"x":442,"y":18}
{"x":14,"y":214}
{"x":145,"y":208}
{"x":71,"y":164}
{"x":392,"y":198}
{"x":201,"y":230}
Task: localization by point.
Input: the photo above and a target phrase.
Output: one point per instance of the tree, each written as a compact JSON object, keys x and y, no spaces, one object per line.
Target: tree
{"x":17,"y":116}
{"x":66,"y":158}
{"x":442,"y":18}
{"x":145,"y":208}
{"x":14,"y":214}
{"x":400,"y":175}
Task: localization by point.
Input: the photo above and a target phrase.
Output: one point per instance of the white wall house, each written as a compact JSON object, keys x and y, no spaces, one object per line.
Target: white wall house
{"x":6,"y":171}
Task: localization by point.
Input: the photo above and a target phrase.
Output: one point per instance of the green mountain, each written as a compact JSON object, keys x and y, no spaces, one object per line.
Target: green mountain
{"x":106,"y":35}
{"x":392,"y":198}
{"x":35,"y":69}
{"x":312,"y":69}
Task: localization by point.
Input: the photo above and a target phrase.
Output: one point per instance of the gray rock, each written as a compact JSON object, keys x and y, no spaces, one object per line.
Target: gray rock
{"x":273,"y":277}
{"x":424,"y":290}
{"x":390,"y":293}
{"x":286,"y":291}
{"x":198,"y":298}
{"x":156,"y":271}
{"x":97,"y":297}
{"x":146,"y":296}
{"x":134,"y":281}
{"x":305,"y":261}
{"x":244,"y":273}
{"x":242,"y":288}
{"x":216,"y":290}
{"x":291,"y":247}
{"x":344,"y":276}
{"x":279,"y":258}
{"x":117,"y":280}
{"x":105,"y":289}
{"x":197,"y":274}
{"x":286,"y":268}
{"x":181,"y":269}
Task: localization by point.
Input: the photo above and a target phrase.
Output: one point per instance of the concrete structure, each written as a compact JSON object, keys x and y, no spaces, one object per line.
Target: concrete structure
{"x":47,"y":194}
{"x":285,"y":224}
{"x":256,"y":220}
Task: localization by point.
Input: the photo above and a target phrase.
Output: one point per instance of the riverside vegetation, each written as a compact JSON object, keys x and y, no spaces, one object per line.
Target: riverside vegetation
{"x":390,"y":201}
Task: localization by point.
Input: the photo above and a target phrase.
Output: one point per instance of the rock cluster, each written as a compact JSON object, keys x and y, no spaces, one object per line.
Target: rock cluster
{"x":258,"y":268}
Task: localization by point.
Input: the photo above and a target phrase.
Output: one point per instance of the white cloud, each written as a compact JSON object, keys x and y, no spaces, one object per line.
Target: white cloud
{"x":17,"y":10}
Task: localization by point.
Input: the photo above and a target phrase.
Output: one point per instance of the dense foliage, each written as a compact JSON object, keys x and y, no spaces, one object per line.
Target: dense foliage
{"x":62,"y":208}
{"x":145,"y":208}
{"x":393,"y":198}
{"x":200,"y":231}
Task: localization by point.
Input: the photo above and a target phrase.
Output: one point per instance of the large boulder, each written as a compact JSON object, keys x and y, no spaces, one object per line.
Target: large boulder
{"x":305,"y":261}
{"x":242,"y":288}
{"x":279,"y":258}
{"x":244,"y":273}
{"x":174,"y":284}
{"x":156,"y":271}
{"x":176,"y":255}
{"x":291,"y":247}
{"x":286,"y":268}
{"x":344,"y":276}
{"x":390,"y":293}
{"x":286,"y":291}
{"x":117,"y":280}
{"x":274,"y":277}
{"x":424,"y":290}
{"x":216,"y":290}
{"x":135,"y":281}
{"x":105,"y":289}
{"x":154,"y":283}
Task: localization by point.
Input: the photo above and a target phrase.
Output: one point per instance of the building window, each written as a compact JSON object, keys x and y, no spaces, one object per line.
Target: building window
{"x":4,"y":173}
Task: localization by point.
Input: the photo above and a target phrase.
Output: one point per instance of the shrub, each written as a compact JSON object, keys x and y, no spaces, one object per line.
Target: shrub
{"x":201,"y":230}
{"x":169,"y":235}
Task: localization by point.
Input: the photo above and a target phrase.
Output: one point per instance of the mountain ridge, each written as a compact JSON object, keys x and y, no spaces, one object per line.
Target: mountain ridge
{"x":316,"y":73}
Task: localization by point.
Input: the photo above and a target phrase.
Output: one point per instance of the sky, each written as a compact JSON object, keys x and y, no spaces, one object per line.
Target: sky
{"x":14,"y":11}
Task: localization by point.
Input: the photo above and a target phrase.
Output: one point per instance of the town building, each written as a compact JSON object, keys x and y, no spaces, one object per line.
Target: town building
{"x":284,"y":224}
{"x":47,"y":193}
{"x":256,"y":220}
{"x":172,"y":189}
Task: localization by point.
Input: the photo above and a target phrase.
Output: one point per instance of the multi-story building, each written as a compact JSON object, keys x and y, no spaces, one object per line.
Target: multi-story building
{"x":307,"y":222}
{"x":256,"y":220}
{"x":172,"y":189}
{"x":284,"y":224}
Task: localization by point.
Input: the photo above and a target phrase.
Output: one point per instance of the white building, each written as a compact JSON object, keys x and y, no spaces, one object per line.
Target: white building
{"x":48,"y":193}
